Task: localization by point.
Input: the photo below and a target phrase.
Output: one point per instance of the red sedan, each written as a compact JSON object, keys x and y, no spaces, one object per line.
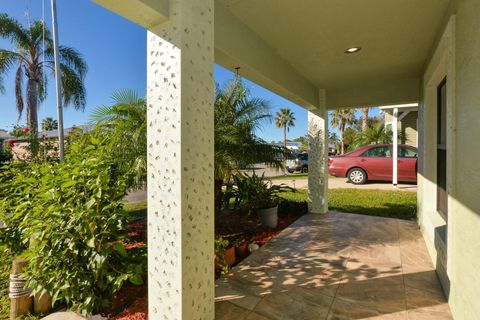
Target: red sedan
{"x":374,"y":162}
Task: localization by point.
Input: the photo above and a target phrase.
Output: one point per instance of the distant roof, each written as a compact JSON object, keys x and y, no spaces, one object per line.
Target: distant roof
{"x":53,"y":133}
{"x":4,"y":135}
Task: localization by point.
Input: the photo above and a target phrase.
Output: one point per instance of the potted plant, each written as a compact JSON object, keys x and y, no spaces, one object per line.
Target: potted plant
{"x":255,"y":193}
{"x":241,"y":248}
{"x":224,"y":255}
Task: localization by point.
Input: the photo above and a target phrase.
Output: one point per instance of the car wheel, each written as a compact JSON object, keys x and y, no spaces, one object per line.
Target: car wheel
{"x":357,"y":176}
{"x":305,"y":169}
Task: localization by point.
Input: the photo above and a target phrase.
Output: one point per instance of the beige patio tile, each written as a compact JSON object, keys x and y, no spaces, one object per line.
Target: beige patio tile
{"x":415,"y":257}
{"x":368,"y":270}
{"x":298,"y":303}
{"x":338,"y":266}
{"x":228,"y":311}
{"x":382,"y":295}
{"x":255,"y":316}
{"x":344,"y":310}
{"x":375,"y":252}
{"x":240,"y":297}
{"x":438,"y":312}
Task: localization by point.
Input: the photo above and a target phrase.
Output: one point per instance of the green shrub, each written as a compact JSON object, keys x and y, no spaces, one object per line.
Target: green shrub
{"x":68,"y":220}
{"x":255,"y":192}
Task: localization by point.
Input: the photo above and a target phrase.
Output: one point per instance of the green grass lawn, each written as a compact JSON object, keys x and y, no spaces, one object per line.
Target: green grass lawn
{"x":381,"y":203}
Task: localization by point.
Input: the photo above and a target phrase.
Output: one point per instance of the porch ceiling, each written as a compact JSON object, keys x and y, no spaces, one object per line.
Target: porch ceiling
{"x":311,"y":35}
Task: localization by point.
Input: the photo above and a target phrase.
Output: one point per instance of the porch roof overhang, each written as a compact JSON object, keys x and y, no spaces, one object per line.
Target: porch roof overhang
{"x":297,"y":48}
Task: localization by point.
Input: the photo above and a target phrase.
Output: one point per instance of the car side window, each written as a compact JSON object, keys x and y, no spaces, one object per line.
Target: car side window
{"x":377,"y":152}
{"x":407,"y":153}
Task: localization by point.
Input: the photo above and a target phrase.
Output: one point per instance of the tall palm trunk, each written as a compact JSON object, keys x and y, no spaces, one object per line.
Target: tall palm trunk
{"x":364,"y":119}
{"x":342,"y":142}
{"x":32,"y":106}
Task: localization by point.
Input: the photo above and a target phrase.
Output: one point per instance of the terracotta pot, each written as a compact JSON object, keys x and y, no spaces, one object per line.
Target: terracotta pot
{"x":230,"y":256}
{"x":242,"y":250}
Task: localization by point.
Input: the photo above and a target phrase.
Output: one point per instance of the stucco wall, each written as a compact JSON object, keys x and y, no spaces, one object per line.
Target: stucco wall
{"x":407,"y":126}
{"x":465,"y":288}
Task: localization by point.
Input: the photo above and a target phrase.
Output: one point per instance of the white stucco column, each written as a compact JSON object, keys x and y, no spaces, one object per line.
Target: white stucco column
{"x":395,"y":148}
{"x":317,"y":161}
{"x":180,"y":163}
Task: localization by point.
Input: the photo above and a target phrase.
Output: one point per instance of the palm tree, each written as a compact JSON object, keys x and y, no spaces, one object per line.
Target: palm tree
{"x":333,"y":140}
{"x":340,"y":119}
{"x":284,"y":119}
{"x":31,"y":57}
{"x":237,"y":116}
{"x":49,"y":124}
{"x":364,"y":118}
{"x":125,"y":125}
{"x":376,"y":134}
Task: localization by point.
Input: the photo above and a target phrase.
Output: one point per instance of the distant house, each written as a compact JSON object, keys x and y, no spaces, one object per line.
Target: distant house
{"x":4,"y":136}
{"x":19,"y":150}
{"x":407,"y":122}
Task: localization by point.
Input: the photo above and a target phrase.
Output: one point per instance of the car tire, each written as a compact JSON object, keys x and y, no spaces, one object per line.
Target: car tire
{"x":357,"y":176}
{"x":305,"y":169}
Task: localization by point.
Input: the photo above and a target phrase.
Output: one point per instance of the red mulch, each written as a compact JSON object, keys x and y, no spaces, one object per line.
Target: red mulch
{"x":234,"y":226}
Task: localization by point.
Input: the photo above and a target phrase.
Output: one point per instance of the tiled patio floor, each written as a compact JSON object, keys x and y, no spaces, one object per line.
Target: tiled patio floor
{"x":336,"y":266}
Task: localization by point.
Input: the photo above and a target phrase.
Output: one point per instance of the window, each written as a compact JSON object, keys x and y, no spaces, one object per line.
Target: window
{"x":378,"y":152}
{"x":407,"y":153}
{"x":442,"y":194}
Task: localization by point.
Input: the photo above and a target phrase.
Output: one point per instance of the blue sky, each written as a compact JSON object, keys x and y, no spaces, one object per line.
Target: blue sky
{"x":115,"y":51}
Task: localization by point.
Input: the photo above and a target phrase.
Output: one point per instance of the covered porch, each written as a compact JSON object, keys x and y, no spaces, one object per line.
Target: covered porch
{"x":321,"y":55}
{"x":336,"y":266}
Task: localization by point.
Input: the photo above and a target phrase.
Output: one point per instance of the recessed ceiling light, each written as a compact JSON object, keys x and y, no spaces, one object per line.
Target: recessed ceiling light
{"x":353,"y":50}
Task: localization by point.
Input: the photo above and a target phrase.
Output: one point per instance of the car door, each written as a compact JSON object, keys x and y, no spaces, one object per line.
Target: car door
{"x":377,"y":162}
{"x":407,"y":164}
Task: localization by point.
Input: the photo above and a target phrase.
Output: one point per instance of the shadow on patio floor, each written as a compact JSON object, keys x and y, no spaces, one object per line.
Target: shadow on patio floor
{"x":336,"y":266}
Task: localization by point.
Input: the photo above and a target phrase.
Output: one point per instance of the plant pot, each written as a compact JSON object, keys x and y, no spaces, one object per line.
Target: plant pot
{"x":268,"y":217}
{"x":242,"y":250}
{"x":230,"y":256}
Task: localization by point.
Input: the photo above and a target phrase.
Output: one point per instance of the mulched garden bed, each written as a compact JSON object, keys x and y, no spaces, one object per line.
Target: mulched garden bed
{"x":131,"y":303}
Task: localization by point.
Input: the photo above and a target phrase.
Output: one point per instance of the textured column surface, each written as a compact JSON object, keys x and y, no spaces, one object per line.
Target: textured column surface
{"x":180,"y":163}
{"x":317,"y":161}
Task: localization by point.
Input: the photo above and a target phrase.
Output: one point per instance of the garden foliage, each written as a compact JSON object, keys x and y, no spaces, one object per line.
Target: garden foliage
{"x":68,"y":220}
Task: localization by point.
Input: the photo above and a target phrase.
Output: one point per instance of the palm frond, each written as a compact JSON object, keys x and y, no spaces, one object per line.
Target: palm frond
{"x":73,"y":88}
{"x":39,"y":32}
{"x":19,"y":91}
{"x":13,"y":30}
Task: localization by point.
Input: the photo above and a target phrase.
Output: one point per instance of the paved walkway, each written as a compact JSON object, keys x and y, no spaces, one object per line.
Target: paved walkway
{"x":339,"y":183}
{"x":336,"y":266}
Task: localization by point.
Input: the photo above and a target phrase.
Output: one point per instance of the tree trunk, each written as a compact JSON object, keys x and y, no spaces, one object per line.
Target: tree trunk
{"x":342,"y":144}
{"x":341,"y":129}
{"x":364,"y":119}
{"x":32,"y":106}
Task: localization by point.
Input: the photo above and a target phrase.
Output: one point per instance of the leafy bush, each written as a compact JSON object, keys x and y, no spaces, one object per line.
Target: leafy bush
{"x":256,"y":192}
{"x":68,"y":220}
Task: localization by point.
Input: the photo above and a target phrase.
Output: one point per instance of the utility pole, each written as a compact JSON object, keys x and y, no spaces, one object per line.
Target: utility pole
{"x":58,"y":82}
